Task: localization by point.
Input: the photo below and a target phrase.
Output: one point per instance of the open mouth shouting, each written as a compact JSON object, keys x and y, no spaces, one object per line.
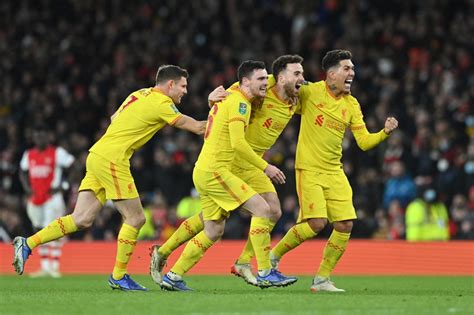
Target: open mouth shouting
{"x":298,"y":85}
{"x":347,"y":83}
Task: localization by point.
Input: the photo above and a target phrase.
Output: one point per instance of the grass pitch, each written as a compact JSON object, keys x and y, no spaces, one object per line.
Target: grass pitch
{"x":230,"y":295}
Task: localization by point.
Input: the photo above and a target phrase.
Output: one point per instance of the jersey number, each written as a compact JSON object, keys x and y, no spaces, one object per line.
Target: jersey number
{"x":210,"y":121}
{"x":133,"y":98}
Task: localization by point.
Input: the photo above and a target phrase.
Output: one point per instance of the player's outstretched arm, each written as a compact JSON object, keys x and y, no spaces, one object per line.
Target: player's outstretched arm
{"x":366,"y":140}
{"x":188,"y":123}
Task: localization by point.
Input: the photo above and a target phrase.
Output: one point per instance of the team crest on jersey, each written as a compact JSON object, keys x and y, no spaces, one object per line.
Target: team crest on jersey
{"x":173,"y":107}
{"x":319,"y":120}
{"x":243,"y":108}
{"x":267,"y":123}
{"x":343,"y":113}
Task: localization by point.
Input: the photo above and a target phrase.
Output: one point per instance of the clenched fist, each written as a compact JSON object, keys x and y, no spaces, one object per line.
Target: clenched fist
{"x":390,"y":125}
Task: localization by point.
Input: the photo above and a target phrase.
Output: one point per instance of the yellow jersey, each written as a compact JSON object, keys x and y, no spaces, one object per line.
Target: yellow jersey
{"x":140,"y":116}
{"x":218,"y":151}
{"x":266,"y":125}
{"x":324,"y":119}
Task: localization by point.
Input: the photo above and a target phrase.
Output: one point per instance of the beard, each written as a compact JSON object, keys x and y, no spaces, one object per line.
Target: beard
{"x":290,"y":90}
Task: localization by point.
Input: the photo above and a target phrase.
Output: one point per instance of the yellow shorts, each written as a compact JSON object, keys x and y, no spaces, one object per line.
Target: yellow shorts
{"x":255,"y":178}
{"x":324,"y":196}
{"x":220,"y":193}
{"x":108,"y":180}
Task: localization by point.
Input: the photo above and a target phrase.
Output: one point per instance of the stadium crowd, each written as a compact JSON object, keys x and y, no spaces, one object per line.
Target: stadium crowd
{"x":70,"y":64}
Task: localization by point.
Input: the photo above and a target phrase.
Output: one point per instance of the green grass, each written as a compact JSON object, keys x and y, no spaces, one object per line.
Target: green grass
{"x":230,"y":295}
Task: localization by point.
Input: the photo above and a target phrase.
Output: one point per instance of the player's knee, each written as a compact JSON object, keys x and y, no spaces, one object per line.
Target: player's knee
{"x":137,"y":221}
{"x":343,"y":226}
{"x":275,"y":212}
{"x":263,"y":205}
{"x":265,"y":209}
{"x":317,"y":224}
{"x":141,"y":221}
{"x":214,"y":233}
{"x":83,"y":222}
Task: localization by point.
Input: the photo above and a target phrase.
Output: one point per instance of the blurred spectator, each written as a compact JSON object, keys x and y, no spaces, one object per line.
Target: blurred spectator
{"x":189,"y":205}
{"x":396,"y":224}
{"x":368,"y":190}
{"x":169,"y":225}
{"x":463,"y":218}
{"x":237,"y":226}
{"x":425,"y":155}
{"x":397,"y":151}
{"x":13,"y":218}
{"x":365,"y":225}
{"x":143,"y":176}
{"x":289,"y":210}
{"x":10,"y":224}
{"x":427,"y":218}
{"x":400,"y":186}
{"x":159,"y":211}
{"x":147,"y":232}
{"x":383,"y":225}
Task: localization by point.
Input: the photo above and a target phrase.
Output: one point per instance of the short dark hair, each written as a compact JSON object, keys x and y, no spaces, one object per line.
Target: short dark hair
{"x":246,"y":68}
{"x":333,"y":57}
{"x":170,"y":72}
{"x":280,"y":63}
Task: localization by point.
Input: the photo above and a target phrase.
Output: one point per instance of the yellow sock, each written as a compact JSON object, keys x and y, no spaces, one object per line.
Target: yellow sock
{"x":126,"y":241}
{"x":334,"y":249}
{"x":185,"y":232}
{"x":55,"y":230}
{"x":259,"y":235}
{"x":294,"y":237}
{"x":192,"y":253}
{"x":248,"y":253}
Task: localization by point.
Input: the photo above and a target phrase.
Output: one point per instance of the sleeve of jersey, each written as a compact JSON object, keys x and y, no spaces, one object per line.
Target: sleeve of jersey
{"x":63,"y":158}
{"x":169,"y":113}
{"x":302,"y":97}
{"x":271,"y":82}
{"x":24,"y":162}
{"x":233,"y":87}
{"x":365,"y":140}
{"x":238,"y":142}
{"x":298,"y":107}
